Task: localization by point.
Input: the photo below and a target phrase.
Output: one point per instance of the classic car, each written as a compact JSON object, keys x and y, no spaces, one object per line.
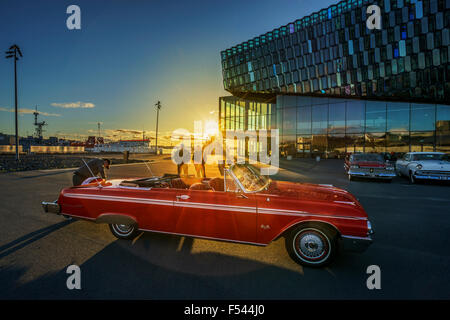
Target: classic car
{"x":241,"y":206}
{"x":368,"y":165}
{"x":424,"y":166}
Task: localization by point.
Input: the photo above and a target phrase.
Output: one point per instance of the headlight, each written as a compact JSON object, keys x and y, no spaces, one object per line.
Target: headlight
{"x":419,"y":166}
{"x":354,"y":166}
{"x":369,"y":228}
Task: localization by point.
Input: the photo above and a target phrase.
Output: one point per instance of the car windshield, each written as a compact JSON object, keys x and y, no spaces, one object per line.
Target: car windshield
{"x":367,"y":157}
{"x":427,"y":156}
{"x":250,"y":177}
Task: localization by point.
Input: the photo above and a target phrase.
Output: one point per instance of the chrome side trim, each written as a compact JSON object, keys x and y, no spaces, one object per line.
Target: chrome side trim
{"x":202,"y":237}
{"x":302,"y":214}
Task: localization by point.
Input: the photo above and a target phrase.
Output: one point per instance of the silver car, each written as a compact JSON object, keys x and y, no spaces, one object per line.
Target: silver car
{"x":424,"y":166}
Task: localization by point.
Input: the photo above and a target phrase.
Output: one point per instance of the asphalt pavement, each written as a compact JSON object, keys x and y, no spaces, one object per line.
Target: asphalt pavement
{"x":411,"y":247}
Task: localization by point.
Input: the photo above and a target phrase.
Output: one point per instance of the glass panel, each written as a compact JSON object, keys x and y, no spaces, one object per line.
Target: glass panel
{"x":375,"y":142}
{"x":355,"y":116}
{"x":289,"y":124}
{"x":422,"y":141}
{"x":319,"y":144}
{"x":375,"y":116}
{"x":304,"y":145}
{"x":319,"y":119}
{"x":397,"y":142}
{"x":397,"y":116}
{"x":355,"y":143}
{"x":336,"y":123}
{"x":304,"y":120}
{"x":422,"y":117}
{"x":443,"y":128}
{"x":336,"y":146}
{"x":288,"y":145}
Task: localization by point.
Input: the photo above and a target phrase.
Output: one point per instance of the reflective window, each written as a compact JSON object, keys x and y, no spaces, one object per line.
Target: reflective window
{"x":336,"y":122}
{"x":422,"y":141}
{"x":375,"y":142}
{"x":397,"y":141}
{"x":289,"y":124}
{"x":375,"y":116}
{"x":355,"y":116}
{"x":319,"y":119}
{"x":354,"y":143}
{"x":304,"y":120}
{"x":422,"y":117}
{"x":336,"y":145}
{"x":397,"y":116}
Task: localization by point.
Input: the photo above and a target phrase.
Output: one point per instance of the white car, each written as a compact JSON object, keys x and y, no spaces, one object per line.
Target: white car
{"x":424,"y":165}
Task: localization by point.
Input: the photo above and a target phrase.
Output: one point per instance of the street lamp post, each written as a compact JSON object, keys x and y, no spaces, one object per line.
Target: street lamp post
{"x":14,"y":52}
{"x":158,"y":107}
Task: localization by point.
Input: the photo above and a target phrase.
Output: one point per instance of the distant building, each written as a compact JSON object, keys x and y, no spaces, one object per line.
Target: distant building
{"x":331,"y":85}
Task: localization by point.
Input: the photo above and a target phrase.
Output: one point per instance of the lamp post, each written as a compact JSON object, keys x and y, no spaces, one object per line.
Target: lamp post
{"x":14,"y":52}
{"x":158,"y":107}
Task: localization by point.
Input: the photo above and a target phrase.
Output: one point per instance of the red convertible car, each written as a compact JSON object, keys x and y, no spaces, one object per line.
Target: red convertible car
{"x":243,"y":206}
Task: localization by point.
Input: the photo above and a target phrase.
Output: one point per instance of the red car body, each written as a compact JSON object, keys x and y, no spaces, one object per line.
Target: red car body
{"x":248,"y":217}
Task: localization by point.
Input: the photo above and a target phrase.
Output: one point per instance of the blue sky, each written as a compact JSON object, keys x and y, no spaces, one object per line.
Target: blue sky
{"x":127,"y":55}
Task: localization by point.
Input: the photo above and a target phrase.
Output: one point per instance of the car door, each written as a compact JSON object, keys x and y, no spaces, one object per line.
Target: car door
{"x":224,"y":215}
{"x":153,"y":208}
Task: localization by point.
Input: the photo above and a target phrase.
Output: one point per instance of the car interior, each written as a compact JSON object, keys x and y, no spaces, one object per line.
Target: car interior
{"x":176,"y":182}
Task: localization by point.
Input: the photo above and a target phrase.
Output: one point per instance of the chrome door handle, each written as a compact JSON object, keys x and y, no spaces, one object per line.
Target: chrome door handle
{"x":183,"y":197}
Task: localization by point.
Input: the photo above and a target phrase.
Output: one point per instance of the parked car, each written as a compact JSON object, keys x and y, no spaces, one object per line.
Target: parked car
{"x":424,"y":166}
{"x":243,"y":206}
{"x":368,"y":165}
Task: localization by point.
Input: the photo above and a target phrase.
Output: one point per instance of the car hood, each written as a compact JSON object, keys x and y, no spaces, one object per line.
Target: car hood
{"x":312,"y":192}
{"x":433,"y":164}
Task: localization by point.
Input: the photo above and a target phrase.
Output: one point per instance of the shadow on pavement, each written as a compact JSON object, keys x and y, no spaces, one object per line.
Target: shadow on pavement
{"x":29,"y":238}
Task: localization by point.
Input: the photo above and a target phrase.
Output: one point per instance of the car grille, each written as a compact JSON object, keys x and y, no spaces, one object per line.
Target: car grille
{"x":372,"y":170}
{"x":433,"y":172}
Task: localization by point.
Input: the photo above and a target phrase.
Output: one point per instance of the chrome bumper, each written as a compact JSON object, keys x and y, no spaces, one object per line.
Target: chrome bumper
{"x":355,"y":244}
{"x":52,"y":207}
{"x":381,"y":175}
{"x":432,"y":177}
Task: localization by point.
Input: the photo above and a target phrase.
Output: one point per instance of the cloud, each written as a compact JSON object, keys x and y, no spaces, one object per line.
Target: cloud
{"x":31,"y":111}
{"x":73,"y":105}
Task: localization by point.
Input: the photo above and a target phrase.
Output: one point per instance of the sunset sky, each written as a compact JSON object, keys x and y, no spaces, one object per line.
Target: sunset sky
{"x":127,"y":55}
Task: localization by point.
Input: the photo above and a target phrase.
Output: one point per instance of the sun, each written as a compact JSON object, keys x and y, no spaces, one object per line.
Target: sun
{"x":211,"y":129}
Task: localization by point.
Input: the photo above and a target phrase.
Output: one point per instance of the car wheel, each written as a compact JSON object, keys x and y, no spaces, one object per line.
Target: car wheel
{"x":123,"y":231}
{"x":412,"y":180}
{"x":312,"y":246}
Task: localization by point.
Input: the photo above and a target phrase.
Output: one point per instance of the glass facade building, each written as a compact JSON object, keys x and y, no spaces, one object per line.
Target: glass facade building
{"x":334,"y":85}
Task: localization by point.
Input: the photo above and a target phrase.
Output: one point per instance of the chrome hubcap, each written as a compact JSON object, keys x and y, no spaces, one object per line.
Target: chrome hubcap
{"x":123,"y":228}
{"x":311,"y":245}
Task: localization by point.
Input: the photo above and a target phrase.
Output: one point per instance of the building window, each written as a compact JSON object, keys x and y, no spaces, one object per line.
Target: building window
{"x":375,"y":116}
{"x":423,"y":117}
{"x":397,"y":116}
{"x":304,"y":120}
{"x":355,"y":115}
{"x":320,"y":119}
{"x":336,"y":123}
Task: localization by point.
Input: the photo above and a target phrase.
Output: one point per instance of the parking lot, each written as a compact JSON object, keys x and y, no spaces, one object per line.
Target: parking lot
{"x":411,"y":247}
